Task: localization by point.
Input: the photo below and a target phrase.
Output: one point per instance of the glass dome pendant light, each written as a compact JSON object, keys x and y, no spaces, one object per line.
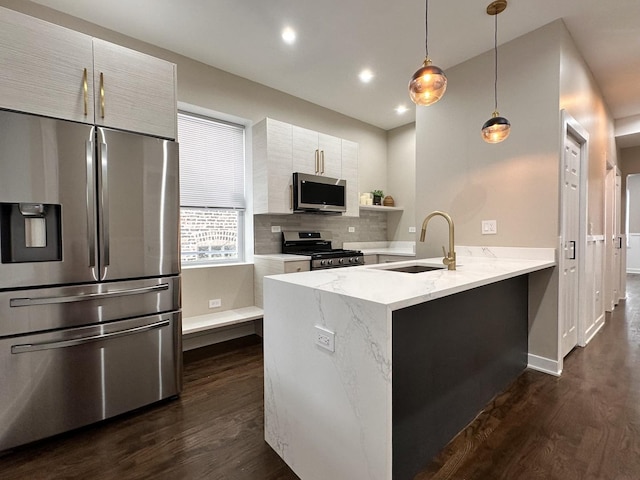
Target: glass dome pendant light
{"x":497,"y":128}
{"x":429,"y":83}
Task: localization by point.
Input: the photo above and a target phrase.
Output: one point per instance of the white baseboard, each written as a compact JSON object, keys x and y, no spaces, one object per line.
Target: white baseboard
{"x":544,"y":365}
{"x":633,"y":270}
{"x":217,"y":335}
{"x":599,"y":323}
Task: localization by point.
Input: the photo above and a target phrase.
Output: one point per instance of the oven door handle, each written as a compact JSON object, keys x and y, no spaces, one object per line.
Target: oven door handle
{"x":27,"y":302}
{"x":36,"y":347}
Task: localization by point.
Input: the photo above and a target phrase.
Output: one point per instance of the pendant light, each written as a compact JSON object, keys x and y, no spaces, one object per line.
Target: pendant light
{"x":429,"y":83}
{"x":497,"y":128}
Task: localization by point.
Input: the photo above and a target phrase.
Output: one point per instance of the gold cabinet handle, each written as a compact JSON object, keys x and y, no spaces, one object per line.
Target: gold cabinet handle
{"x":101,"y":95}
{"x":86,"y":92}
{"x":322,"y":162}
{"x":317,"y":161}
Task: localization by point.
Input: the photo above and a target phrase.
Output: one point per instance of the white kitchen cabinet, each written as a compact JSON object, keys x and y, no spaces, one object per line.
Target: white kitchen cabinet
{"x":53,"y":71}
{"x":45,"y":68}
{"x":272,"y":167}
{"x":280,"y":149}
{"x":134,"y":91}
{"x":264,"y":265}
{"x":316,"y":153}
{"x":393,"y":258}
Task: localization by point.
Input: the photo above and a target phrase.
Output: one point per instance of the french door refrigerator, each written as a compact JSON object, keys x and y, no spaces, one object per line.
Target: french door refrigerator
{"x":90,"y":320}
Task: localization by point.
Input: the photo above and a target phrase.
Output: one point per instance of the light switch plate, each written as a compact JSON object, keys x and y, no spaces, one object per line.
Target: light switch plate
{"x":352,"y":229}
{"x":489,"y":227}
{"x":412,"y":229}
{"x":276,"y":229}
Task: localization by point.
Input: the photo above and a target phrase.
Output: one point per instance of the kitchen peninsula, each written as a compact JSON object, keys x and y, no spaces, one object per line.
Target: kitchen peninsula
{"x":369,"y":371}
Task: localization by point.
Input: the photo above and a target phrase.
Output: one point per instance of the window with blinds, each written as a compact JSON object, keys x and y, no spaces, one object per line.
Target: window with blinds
{"x":212,"y":199}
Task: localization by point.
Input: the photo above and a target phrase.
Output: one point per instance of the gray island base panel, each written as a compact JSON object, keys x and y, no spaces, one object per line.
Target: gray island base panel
{"x":451,"y":356}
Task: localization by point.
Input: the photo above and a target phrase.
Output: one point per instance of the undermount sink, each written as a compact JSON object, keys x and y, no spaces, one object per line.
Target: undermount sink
{"x":413,"y":269}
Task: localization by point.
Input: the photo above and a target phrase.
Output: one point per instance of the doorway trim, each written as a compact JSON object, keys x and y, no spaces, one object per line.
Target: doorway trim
{"x":570,"y":126}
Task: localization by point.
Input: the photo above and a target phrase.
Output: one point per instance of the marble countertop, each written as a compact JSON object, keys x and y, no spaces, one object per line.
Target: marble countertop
{"x":477,"y":266}
{"x":403,"y":252}
{"x":284,"y":257}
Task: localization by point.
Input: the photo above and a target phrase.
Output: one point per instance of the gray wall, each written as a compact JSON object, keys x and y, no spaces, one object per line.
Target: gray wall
{"x":401,"y":180}
{"x":633,"y":192}
{"x":515,"y":182}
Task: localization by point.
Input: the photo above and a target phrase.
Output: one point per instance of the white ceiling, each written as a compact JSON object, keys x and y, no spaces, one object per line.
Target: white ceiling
{"x":338,"y":38}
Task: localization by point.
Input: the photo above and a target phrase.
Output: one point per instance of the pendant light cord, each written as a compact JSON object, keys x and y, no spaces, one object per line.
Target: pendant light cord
{"x":426,"y":27}
{"x":495,"y":50}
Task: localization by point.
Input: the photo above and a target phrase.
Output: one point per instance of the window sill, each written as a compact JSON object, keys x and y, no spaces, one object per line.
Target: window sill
{"x":215,"y":265}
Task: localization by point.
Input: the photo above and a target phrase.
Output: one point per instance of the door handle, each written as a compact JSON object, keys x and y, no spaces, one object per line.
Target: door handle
{"x":35,"y":347}
{"x":572,"y":249}
{"x":27,"y":302}
{"x":91,"y":194}
{"x":104,"y":205}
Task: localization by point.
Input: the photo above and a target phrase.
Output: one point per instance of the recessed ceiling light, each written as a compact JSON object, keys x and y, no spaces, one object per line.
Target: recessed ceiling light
{"x":400,"y":109}
{"x":366,"y":76}
{"x":289,"y":35}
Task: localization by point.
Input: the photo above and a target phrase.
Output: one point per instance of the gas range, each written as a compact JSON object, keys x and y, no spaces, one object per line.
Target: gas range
{"x":317,"y":245}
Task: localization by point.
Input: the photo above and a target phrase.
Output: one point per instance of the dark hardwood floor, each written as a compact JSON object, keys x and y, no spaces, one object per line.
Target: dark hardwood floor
{"x":584,"y":425}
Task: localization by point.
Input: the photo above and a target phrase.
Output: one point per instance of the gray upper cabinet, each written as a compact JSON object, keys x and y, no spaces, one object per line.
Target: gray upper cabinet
{"x":279,"y":149}
{"x":45,"y":68}
{"x":56,"y":72}
{"x":316,"y":153}
{"x":134,"y":91}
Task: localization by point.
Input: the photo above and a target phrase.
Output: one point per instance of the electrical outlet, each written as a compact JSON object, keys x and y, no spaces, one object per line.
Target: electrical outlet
{"x":412,"y":229}
{"x":352,"y":229}
{"x":215,"y":303}
{"x":325,"y":338}
{"x":489,"y":227}
{"x":276,"y":229}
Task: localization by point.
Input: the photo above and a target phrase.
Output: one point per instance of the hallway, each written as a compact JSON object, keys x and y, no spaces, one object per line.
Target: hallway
{"x":584,"y":425}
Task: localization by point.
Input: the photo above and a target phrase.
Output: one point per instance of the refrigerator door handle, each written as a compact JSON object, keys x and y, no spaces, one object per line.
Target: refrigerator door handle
{"x":104,"y":205}
{"x":27,"y":302}
{"x":35,"y":347}
{"x":91,"y":195}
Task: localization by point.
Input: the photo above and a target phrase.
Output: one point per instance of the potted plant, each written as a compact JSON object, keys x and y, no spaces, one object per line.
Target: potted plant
{"x":377,"y":197}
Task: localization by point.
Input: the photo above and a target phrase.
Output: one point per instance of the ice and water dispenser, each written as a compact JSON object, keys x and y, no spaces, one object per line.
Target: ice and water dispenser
{"x":30,"y":232}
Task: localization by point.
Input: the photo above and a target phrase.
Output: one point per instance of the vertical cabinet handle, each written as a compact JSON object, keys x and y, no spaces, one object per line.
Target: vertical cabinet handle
{"x":85,"y":89}
{"x":322,"y":162}
{"x":291,"y":197}
{"x":317,"y":160}
{"x":101,"y":95}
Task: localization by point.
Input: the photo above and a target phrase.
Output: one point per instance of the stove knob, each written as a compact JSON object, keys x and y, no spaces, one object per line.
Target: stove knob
{"x":341,"y":261}
{"x":354,"y":260}
{"x":323,"y":262}
{"x":330,"y":262}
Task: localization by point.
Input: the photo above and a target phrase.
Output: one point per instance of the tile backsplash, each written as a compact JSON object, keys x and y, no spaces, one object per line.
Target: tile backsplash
{"x":369,"y":227}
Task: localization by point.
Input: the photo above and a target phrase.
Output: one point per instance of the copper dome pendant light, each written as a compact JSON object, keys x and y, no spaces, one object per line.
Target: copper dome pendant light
{"x":429,"y":83}
{"x":497,"y":128}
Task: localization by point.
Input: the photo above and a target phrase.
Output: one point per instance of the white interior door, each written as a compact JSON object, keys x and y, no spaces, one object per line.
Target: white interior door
{"x":570,"y":243}
{"x":619,"y":243}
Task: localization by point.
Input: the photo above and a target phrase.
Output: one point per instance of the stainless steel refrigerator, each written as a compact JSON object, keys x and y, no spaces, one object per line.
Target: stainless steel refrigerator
{"x":90,"y":321}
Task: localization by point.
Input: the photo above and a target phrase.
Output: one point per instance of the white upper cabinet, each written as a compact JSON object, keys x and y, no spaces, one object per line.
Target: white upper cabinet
{"x":272,"y":167}
{"x":53,"y":71}
{"x":316,"y":153}
{"x":280,"y":149}
{"x":134,"y":91}
{"x":45,"y":69}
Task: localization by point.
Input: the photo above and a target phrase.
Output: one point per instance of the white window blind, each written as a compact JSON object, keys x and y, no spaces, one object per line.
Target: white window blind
{"x":211,"y":163}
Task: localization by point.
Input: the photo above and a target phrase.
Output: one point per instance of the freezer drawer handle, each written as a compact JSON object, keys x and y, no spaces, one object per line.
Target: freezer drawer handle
{"x":26,"y":302}
{"x":35,"y":347}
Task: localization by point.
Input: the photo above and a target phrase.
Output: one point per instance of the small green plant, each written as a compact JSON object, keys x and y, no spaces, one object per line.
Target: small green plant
{"x":377,"y":193}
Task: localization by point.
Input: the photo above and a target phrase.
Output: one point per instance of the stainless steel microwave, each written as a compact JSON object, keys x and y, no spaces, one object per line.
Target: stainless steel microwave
{"x":318,"y":194}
